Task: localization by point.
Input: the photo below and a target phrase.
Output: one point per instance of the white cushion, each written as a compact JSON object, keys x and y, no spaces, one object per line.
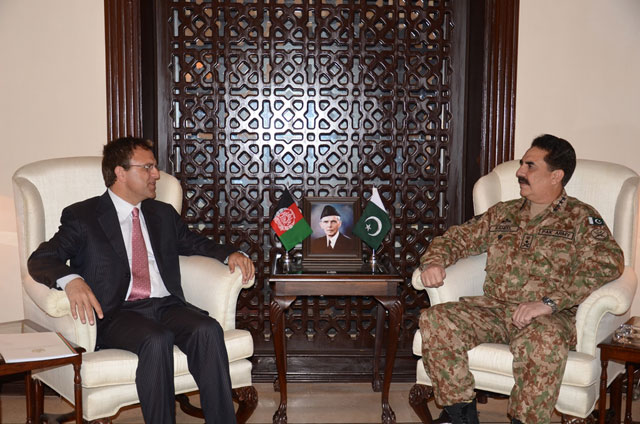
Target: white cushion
{"x":579,"y":392}
{"x":116,"y":366}
{"x":106,"y":401}
{"x":582,"y":370}
{"x":108,"y":376}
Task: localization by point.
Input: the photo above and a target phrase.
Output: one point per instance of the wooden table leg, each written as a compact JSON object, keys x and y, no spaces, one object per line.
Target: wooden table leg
{"x":376,"y":383}
{"x":627,"y":409}
{"x":28,"y":383}
{"x":38,"y":393}
{"x":602,"y":402}
{"x":276,"y":315}
{"x":77,"y":389}
{"x":394,"y":307}
{"x":615,"y":398}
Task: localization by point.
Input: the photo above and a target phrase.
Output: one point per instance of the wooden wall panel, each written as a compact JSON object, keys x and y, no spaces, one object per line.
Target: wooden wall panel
{"x":499,"y":94}
{"x":124,"y":73}
{"x":328,"y":99}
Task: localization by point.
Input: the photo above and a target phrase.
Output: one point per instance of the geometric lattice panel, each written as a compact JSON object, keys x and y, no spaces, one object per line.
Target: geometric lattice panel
{"x":328,"y":98}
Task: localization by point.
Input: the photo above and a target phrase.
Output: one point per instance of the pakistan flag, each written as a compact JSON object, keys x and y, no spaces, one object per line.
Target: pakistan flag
{"x":374,"y":224}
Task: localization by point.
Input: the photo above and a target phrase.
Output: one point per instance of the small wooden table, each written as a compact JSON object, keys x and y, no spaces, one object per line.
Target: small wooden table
{"x":380,"y":282}
{"x":33,"y":413}
{"x":629,"y":353}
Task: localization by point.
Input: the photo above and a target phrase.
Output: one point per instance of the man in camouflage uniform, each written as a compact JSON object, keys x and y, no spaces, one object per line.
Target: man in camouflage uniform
{"x":546,"y":252}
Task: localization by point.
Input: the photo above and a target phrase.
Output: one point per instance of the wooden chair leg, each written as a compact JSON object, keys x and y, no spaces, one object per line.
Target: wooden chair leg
{"x":247,"y":398}
{"x":482,"y":397}
{"x":418,"y":398}
{"x":187,"y":407}
{"x":41,"y":417}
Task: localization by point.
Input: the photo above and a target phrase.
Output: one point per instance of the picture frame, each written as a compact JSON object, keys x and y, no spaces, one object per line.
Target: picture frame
{"x":347,"y":248}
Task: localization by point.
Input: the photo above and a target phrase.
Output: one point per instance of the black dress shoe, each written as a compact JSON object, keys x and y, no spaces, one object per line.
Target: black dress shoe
{"x":463,"y":413}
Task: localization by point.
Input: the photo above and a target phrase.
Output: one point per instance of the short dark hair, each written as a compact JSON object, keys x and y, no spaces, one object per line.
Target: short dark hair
{"x":118,"y":153}
{"x":560,"y":154}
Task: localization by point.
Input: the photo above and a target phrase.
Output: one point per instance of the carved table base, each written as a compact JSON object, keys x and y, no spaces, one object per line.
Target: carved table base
{"x":285,"y":289}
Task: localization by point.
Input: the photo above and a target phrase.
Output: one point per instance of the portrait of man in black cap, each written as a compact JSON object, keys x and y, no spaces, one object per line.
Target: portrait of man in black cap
{"x":333,"y":241}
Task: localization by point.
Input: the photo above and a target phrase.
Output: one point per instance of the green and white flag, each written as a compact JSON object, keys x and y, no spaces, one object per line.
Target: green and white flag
{"x":374,"y":224}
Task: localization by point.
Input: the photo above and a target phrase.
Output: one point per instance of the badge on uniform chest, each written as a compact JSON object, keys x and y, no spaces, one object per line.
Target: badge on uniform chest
{"x":527,"y":241}
{"x":556,"y":233}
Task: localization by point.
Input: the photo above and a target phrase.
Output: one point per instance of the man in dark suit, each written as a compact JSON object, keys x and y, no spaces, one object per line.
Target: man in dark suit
{"x":333,"y":241}
{"x":123,"y":250}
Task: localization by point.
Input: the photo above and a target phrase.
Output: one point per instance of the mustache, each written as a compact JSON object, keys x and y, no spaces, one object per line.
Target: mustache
{"x":523,"y":180}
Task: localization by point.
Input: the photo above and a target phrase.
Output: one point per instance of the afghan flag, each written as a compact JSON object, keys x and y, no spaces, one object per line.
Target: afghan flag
{"x":374,"y":224}
{"x":288,"y":222}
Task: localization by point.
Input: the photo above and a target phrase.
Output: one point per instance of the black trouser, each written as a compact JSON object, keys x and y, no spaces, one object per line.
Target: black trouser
{"x":150,"y":328}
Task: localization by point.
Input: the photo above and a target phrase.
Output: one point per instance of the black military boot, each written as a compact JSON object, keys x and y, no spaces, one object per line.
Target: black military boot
{"x":463,"y":413}
{"x":515,"y":421}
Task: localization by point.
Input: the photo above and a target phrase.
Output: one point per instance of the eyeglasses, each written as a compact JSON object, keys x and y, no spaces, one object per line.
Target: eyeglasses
{"x":148,"y":167}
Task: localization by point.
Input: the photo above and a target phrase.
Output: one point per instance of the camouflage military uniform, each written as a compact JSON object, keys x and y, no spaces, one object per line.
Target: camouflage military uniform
{"x":564,"y":253}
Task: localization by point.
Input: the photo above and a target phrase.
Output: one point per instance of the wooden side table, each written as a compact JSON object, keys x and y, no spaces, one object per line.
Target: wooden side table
{"x":629,"y":353}
{"x":380,"y":283}
{"x":33,"y":412}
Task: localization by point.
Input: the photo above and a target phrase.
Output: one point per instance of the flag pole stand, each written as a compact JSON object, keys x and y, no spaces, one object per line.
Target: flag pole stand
{"x":373,"y":260}
{"x":286,"y":261}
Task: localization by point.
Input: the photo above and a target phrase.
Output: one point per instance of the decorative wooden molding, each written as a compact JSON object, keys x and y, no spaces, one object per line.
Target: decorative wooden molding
{"x":491,"y":90}
{"x":124,"y":76}
{"x":499,"y":87}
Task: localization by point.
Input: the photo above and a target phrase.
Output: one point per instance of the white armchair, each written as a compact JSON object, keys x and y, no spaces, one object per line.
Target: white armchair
{"x":613,"y":190}
{"x":41,"y":190}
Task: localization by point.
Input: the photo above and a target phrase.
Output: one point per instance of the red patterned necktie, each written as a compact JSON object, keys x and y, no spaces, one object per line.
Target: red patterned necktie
{"x":141,"y":287}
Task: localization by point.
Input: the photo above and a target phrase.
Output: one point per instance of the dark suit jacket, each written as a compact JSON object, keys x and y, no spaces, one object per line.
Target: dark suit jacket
{"x":343,"y":244}
{"x":90,"y":238}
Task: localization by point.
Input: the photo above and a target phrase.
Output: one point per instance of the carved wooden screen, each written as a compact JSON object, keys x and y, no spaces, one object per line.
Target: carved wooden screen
{"x":329,"y":98}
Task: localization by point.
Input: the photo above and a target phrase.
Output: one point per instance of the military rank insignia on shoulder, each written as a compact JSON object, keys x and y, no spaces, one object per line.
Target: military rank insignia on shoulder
{"x":600,"y":234}
{"x":478,"y":217}
{"x":594,"y":220}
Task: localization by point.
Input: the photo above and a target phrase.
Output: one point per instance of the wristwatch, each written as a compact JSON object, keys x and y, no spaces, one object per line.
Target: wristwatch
{"x":550,"y":303}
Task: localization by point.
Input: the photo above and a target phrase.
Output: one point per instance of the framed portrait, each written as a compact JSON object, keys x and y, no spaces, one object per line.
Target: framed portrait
{"x":332,"y":220}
